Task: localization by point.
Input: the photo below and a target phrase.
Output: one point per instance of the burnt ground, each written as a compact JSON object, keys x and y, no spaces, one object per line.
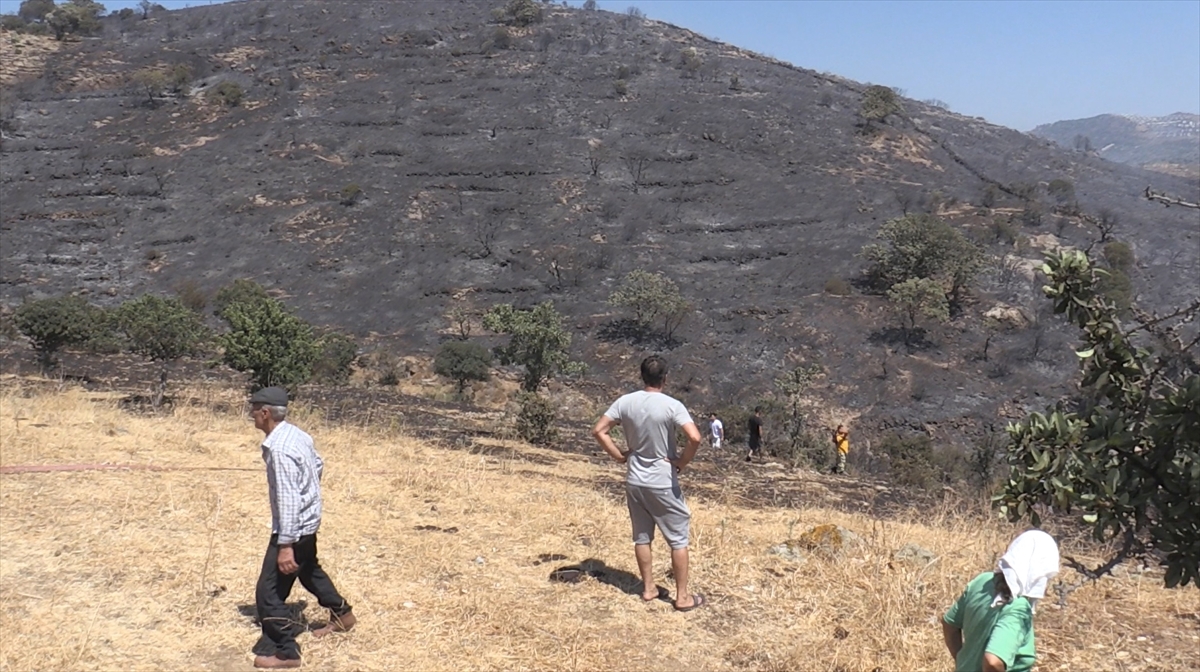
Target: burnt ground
{"x":524,"y":174}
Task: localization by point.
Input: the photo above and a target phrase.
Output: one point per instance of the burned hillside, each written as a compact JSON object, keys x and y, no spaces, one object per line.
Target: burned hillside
{"x":377,"y":164}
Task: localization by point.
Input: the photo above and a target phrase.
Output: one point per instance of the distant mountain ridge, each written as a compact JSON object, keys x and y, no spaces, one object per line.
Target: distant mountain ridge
{"x":1168,"y":144}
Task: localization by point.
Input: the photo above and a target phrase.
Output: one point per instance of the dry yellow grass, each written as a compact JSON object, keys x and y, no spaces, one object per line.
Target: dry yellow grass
{"x":141,"y":570}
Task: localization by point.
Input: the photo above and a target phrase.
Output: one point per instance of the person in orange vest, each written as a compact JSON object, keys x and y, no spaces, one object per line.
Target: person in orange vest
{"x":841,"y":441}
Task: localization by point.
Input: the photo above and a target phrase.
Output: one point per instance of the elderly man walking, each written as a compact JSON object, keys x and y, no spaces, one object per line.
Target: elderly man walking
{"x":649,"y":420}
{"x":294,"y":483}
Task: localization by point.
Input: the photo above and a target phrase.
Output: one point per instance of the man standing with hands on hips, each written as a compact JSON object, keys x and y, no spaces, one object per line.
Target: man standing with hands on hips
{"x":294,"y":484}
{"x":649,"y":420}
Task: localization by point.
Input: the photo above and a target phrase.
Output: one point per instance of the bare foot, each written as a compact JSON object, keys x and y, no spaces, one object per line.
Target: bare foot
{"x":659,"y":593}
{"x":275,"y":662}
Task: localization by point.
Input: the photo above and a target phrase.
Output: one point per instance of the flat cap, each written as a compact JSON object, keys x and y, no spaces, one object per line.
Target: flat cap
{"x":271,"y":396}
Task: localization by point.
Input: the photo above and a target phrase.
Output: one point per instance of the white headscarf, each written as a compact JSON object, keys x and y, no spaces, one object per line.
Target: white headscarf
{"x":1028,"y":565}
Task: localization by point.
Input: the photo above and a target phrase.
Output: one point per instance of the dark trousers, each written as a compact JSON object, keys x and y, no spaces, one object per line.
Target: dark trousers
{"x":270,"y":597}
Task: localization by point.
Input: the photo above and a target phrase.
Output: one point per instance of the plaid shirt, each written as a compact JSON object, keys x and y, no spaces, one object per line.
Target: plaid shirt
{"x":294,"y":482}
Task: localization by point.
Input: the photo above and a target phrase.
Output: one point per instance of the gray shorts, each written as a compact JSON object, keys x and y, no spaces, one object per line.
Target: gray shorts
{"x":663,"y":507}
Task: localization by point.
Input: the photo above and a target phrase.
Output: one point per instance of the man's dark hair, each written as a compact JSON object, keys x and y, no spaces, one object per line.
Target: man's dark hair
{"x":654,"y":371}
{"x":758,"y":409}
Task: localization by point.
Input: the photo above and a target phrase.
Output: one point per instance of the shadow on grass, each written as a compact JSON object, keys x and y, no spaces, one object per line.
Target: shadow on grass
{"x":624,"y":581}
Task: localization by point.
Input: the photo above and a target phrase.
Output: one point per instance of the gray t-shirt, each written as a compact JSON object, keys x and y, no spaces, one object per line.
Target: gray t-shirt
{"x":649,"y":421}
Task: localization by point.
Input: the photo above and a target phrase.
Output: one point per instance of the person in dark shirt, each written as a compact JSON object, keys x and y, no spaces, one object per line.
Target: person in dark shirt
{"x":755,"y":434}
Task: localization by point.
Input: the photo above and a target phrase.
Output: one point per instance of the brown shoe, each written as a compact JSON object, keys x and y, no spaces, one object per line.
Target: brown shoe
{"x":275,"y":662}
{"x":337,"y":623}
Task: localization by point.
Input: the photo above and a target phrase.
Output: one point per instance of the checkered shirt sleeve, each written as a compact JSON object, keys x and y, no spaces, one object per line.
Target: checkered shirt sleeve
{"x":293,"y":479}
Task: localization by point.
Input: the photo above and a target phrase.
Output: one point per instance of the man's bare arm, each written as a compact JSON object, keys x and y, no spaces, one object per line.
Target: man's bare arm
{"x":600,"y":432}
{"x":953,"y":637}
{"x":689,"y":453}
{"x":992,"y":663}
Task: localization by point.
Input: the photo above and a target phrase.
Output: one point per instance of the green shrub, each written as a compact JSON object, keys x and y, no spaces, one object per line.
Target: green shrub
{"x":1115,"y":286}
{"x":161,"y":330}
{"x":690,"y":61}
{"x":1004,"y":232}
{"x":178,"y":78}
{"x":350,"y":195}
{"x":462,"y":362}
{"x":337,"y":354}
{"x":521,"y":12}
{"x":911,"y":461}
{"x":535,"y":421}
{"x":922,"y":246}
{"x":238,"y":291}
{"x":654,"y":299}
{"x":13,"y":22}
{"x":988,"y":198}
{"x":1031,"y":215}
{"x":1062,"y":190}
{"x":537,"y":341}
{"x":621,"y":88}
{"x":837,"y":287}
{"x":501,"y":38}
{"x":58,"y":322}
{"x":77,"y":17}
{"x":227,"y":93}
{"x":267,"y":341}
{"x":1119,"y":256}
{"x":878,"y":103}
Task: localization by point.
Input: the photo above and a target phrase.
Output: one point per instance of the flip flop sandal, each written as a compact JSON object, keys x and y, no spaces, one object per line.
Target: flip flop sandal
{"x":663,"y":594}
{"x":699,"y":602}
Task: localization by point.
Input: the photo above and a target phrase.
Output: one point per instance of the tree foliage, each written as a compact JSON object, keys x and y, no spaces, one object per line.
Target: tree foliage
{"x":227,"y":93}
{"x":878,"y":103}
{"x":161,"y":330}
{"x":156,"y":81}
{"x":462,"y":362}
{"x":654,"y":298}
{"x":1128,"y":457}
{"x":535,"y":421}
{"x":520,"y":12}
{"x":923,"y":246}
{"x":917,"y":299}
{"x":35,"y":11}
{"x":537,"y":341}
{"x":54,"y":323}
{"x":792,"y":386}
{"x":265,"y":339}
{"x":337,"y":354}
{"x":75,"y":17}
{"x":238,"y":291}
{"x":1062,"y":190}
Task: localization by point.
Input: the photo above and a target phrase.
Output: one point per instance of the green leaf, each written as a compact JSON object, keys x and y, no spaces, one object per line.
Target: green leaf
{"x":1084,"y":354}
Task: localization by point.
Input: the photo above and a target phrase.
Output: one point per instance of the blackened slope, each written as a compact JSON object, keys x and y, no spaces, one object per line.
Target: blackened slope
{"x":475,"y":181}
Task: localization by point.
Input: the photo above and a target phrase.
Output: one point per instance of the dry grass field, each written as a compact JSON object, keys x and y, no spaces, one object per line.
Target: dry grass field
{"x":155,"y":570}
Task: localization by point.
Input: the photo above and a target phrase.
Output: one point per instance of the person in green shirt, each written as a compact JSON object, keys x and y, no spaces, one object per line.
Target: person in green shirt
{"x":990,"y":627}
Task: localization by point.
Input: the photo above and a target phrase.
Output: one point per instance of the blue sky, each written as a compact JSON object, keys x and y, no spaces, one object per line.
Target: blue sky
{"x":1015,"y":63}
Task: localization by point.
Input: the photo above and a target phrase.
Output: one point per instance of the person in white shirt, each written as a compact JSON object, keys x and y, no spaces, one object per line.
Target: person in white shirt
{"x":716,"y":431}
